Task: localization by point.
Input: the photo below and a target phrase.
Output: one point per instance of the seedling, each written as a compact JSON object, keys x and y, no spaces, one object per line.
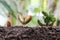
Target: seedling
{"x":9,"y":22}
{"x":24,"y":20}
{"x":49,"y":19}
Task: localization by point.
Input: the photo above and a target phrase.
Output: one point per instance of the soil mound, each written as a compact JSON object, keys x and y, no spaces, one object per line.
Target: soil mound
{"x":27,"y":33}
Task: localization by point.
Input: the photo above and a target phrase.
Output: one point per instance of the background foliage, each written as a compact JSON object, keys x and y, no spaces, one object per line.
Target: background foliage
{"x":35,"y":7}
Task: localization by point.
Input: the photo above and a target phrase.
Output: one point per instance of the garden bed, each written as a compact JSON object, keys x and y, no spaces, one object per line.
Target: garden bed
{"x":29,"y":33}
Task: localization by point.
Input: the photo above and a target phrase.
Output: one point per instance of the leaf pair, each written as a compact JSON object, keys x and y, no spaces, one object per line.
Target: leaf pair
{"x":24,"y":20}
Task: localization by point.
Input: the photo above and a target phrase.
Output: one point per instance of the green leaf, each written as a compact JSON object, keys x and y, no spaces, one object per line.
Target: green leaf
{"x":52,"y":18}
{"x":40,"y":23}
{"x":44,"y":13}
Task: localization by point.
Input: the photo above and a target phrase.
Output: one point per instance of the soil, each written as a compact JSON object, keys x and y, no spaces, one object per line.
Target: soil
{"x":28,"y":33}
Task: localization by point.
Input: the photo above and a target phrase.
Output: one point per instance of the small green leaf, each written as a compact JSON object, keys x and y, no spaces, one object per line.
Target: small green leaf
{"x":40,"y":23}
{"x":44,"y":13}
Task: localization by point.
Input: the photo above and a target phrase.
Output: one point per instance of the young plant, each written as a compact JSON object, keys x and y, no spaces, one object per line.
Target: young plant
{"x":24,"y":20}
{"x":9,"y":23}
{"x":48,"y":18}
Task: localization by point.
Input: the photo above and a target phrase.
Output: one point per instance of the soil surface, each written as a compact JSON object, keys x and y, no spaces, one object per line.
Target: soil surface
{"x":28,"y":33}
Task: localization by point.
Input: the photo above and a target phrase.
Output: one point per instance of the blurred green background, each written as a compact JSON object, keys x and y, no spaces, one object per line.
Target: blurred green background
{"x":28,"y":7}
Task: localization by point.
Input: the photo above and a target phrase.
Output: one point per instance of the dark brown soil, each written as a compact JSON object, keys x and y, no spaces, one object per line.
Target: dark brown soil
{"x":27,"y":33}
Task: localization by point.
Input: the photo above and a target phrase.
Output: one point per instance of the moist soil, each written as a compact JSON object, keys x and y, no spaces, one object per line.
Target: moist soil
{"x":29,"y":33}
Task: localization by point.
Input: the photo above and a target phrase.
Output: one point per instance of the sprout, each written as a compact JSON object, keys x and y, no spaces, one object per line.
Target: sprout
{"x":48,"y":18}
{"x":24,"y":20}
